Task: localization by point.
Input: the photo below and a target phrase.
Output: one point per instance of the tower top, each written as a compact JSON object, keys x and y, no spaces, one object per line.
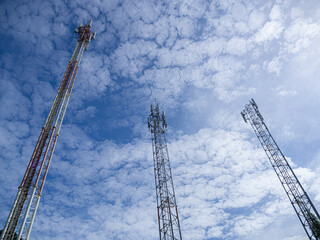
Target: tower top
{"x":83,"y":34}
{"x":156,"y":119}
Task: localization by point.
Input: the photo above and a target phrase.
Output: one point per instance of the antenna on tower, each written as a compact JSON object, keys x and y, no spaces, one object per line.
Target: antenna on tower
{"x":25,"y":205}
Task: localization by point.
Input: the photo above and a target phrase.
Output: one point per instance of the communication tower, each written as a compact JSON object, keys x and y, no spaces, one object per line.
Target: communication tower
{"x":25,"y":205}
{"x":299,"y":199}
{"x":168,"y":218}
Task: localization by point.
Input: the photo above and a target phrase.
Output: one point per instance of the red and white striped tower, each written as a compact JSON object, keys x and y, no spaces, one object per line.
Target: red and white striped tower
{"x":22,"y":214}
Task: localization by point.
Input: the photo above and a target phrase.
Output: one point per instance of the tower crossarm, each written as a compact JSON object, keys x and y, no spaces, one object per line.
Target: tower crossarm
{"x":22,"y":214}
{"x":298,"y":197}
{"x":168,"y":218}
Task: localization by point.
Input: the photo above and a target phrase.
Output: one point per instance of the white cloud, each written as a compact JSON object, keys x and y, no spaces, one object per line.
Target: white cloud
{"x":186,"y":52}
{"x":192,"y":9}
{"x":296,"y":12}
{"x":285,"y":93}
{"x":299,"y":34}
{"x":185,"y":27}
{"x":130,"y":60}
{"x":256,"y":19}
{"x":236,"y":46}
{"x":275,"y":13}
{"x":274,"y":66}
{"x":271,"y":30}
{"x":239,"y":12}
{"x":94,"y":76}
{"x":12,"y":98}
{"x":86,"y":113}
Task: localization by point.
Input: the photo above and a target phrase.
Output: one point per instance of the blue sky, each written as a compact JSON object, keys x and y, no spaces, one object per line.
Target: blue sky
{"x":202,"y":61}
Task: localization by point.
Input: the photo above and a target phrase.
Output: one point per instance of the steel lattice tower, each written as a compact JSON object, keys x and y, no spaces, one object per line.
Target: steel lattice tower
{"x":299,"y":199}
{"x":168,"y":218}
{"x":22,"y":214}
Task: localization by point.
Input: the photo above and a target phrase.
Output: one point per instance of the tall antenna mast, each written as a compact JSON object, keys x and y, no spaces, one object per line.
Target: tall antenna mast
{"x":25,"y":205}
{"x":168,"y":218}
{"x":299,"y":199}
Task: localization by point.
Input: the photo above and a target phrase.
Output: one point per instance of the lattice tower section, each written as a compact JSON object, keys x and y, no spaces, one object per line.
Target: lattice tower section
{"x":299,"y":199}
{"x":23,"y":211}
{"x":168,"y":218}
